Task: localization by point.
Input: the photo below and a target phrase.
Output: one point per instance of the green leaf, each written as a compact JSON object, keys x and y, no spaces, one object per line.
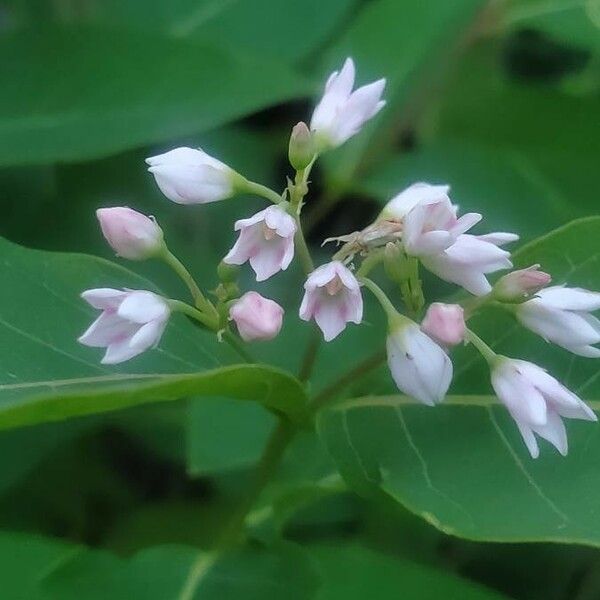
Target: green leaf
{"x":37,"y":569}
{"x":123,"y":89}
{"x":398,"y":41}
{"x":462,"y":466}
{"x":352,"y":572}
{"x":46,"y":375}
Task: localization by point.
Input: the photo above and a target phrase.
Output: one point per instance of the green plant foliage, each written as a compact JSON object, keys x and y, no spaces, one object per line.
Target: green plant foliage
{"x":462,"y":466}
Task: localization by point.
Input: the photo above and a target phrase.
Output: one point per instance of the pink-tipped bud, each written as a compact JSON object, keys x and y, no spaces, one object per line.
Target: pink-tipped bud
{"x":130,"y":234}
{"x":445,"y":323}
{"x":256,"y":317}
{"x":520,"y":285}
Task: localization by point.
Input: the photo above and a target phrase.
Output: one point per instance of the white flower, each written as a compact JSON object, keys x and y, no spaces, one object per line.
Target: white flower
{"x":332,"y":298}
{"x":266,"y":240}
{"x":341,"y":113}
{"x":257,"y":318}
{"x":131,"y":322}
{"x":189,"y":176}
{"x":130,"y":234}
{"x":445,"y":323}
{"x":469,"y":259}
{"x":562,"y":315}
{"x":420,"y":368}
{"x":537,"y":401}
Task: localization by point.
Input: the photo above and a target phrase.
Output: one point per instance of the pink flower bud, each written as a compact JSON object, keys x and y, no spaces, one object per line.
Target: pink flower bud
{"x":521,"y":284}
{"x":256,"y":317}
{"x":445,"y":323}
{"x":130,"y":233}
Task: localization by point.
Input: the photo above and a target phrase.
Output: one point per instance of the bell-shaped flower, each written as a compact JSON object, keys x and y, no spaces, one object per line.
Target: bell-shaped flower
{"x":417,"y":193}
{"x":257,"y":318}
{"x":341,"y":112}
{"x":130,"y":234}
{"x":537,"y":401}
{"x":419,"y":366}
{"x":563,"y":316}
{"x":131,"y":322}
{"x":521,"y":284}
{"x":333,"y":298}
{"x":189,"y":176}
{"x":266,"y":240}
{"x":469,"y":260}
{"x":445,"y":323}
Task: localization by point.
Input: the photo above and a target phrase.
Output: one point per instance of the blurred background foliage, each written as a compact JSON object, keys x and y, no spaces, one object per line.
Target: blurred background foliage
{"x":500,"y":99}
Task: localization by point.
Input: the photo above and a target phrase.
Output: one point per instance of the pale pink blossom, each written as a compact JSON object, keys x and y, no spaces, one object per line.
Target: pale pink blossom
{"x":256,"y":317}
{"x":341,"y":112}
{"x":537,"y":401}
{"x":130,"y":234}
{"x":131,"y":322}
{"x":563,"y":316}
{"x":469,"y":260}
{"x":520,"y":285}
{"x":445,"y":323}
{"x":190,"y":176}
{"x":333,"y":298}
{"x":430,"y":221}
{"x":419,"y":366}
{"x":266,"y":240}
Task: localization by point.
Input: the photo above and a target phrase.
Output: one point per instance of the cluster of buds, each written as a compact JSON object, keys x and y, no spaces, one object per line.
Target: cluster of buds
{"x":419,"y":227}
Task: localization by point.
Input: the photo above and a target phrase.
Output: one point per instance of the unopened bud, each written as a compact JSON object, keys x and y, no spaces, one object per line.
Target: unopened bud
{"x":227,"y":273}
{"x":302,"y":148}
{"x":257,"y":318}
{"x":130,"y":234}
{"x":444,"y":323}
{"x":520,"y":285}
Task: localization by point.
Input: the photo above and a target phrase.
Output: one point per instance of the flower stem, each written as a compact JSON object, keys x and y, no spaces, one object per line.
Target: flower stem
{"x":386,"y":304}
{"x":199,"y":299}
{"x":235,"y":343}
{"x":487,"y":353}
{"x":263,"y":191}
{"x":304,"y":256}
{"x":276,"y":446}
{"x":194,"y":313}
{"x":310,"y":354}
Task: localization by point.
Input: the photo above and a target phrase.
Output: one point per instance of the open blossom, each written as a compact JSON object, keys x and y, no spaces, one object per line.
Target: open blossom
{"x":333,"y":298}
{"x":420,"y":368}
{"x":562,"y":315}
{"x":520,"y":285}
{"x":445,"y":323}
{"x":130,"y":234}
{"x":341,"y":112}
{"x":537,"y":401}
{"x":189,"y":176}
{"x":266,"y":240}
{"x":470,"y":259}
{"x":131,"y":322}
{"x":429,"y":219}
{"x":256,"y":317}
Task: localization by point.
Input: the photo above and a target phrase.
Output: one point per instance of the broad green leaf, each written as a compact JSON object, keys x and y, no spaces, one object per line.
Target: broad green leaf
{"x":41,"y":569}
{"x":46,"y":375}
{"x":398,"y":41}
{"x":553,"y":137}
{"x":352,"y":572}
{"x":123,"y":89}
{"x":500,"y":183}
{"x":462,"y":466}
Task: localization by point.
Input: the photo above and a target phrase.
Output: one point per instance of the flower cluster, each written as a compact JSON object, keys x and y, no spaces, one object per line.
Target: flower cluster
{"x":419,"y":227}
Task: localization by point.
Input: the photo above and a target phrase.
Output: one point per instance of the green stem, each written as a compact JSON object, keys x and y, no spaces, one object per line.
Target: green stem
{"x":374,"y":258}
{"x":235,"y":343}
{"x":388,"y":307}
{"x":199,"y":300}
{"x":369,"y":364}
{"x":194,"y":313}
{"x":278,"y":442}
{"x":487,"y":353}
{"x":308,"y":266}
{"x":263,"y":191}
{"x":310,"y":354}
